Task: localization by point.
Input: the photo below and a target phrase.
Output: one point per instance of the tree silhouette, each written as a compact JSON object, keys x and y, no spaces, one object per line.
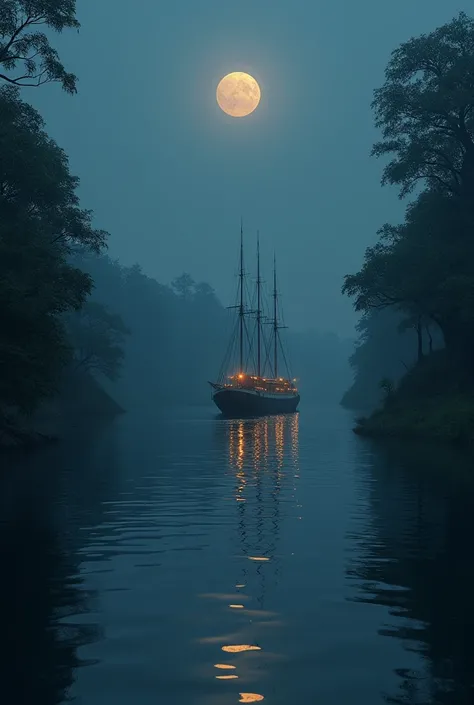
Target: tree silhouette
{"x":26,"y":55}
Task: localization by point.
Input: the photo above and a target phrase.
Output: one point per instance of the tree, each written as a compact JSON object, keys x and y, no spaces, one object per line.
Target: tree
{"x":26,"y":55}
{"x":204,"y":292}
{"x":384,"y":350}
{"x":97,"y":337}
{"x":426,"y":111}
{"x":41,"y":222}
{"x":35,"y":181}
{"x":170,"y":336}
{"x":423,"y":267}
{"x":32,"y":350}
{"x":415,"y":322}
{"x":36,"y":285}
{"x":184,"y":286}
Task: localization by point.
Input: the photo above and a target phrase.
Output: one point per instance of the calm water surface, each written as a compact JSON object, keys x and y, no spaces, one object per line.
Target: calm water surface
{"x":197,"y":561}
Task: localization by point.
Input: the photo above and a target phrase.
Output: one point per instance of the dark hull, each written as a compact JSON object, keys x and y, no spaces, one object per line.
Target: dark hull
{"x":237,"y":403}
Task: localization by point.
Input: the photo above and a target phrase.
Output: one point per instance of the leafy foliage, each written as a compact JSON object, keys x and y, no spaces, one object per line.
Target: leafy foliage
{"x":41,"y":222}
{"x":26,"y":55}
{"x":97,"y":337}
{"x":425,"y":110}
{"x":419,"y":266}
{"x":423,"y":269}
{"x":35,"y":182}
{"x":184,"y":286}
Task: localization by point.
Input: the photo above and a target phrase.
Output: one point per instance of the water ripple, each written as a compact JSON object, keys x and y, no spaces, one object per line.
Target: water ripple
{"x":214,"y":562}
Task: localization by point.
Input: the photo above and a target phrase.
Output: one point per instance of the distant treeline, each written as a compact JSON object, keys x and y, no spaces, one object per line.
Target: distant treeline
{"x":174,"y":337}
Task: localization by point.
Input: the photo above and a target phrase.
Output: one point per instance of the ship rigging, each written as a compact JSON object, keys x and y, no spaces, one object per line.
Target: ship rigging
{"x":255,"y":388}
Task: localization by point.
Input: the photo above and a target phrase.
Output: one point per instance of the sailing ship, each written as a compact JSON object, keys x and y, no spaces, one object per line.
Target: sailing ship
{"x":255,"y":386}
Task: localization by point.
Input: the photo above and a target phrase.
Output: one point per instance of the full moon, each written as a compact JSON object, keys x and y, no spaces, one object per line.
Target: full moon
{"x":238,"y":94}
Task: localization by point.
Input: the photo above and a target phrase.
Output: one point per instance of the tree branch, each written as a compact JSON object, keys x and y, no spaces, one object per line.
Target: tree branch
{"x":85,"y":360}
{"x":15,"y":34}
{"x":57,"y":238}
{"x":23,"y":58}
{"x":39,"y":82}
{"x":446,"y":185}
{"x":449,"y":164}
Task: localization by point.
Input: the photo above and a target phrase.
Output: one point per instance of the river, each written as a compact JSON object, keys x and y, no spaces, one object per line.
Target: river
{"x":196,"y":561}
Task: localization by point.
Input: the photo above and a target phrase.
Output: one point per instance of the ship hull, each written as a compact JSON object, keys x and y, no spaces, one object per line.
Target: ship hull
{"x":238,"y":403}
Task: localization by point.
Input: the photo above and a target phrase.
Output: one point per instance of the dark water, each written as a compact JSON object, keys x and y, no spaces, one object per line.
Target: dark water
{"x":138,"y":557}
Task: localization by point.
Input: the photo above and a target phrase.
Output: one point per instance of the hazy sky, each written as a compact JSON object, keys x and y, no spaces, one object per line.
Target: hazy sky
{"x":169,"y":174}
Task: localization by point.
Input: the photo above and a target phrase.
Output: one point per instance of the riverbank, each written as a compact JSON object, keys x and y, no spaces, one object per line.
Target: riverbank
{"x":434,"y":401}
{"x":82,"y":398}
{"x":13,"y":437}
{"x":449,"y":419}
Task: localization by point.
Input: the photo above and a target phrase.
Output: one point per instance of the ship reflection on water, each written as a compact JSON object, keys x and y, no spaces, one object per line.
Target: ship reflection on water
{"x":263,"y":454}
{"x":262,"y":443}
{"x":263,"y":460}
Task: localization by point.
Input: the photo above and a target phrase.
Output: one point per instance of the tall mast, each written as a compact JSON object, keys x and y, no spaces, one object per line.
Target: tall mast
{"x":241,"y":307}
{"x":275,"y":319}
{"x":259,"y":310}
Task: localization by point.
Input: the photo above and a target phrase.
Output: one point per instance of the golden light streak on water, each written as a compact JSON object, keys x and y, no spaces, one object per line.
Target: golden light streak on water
{"x":226,"y":678}
{"x":240,"y":648}
{"x":250,"y":698}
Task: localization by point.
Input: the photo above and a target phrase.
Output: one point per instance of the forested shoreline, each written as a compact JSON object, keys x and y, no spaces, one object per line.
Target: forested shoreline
{"x":70,"y":314}
{"x":415,"y":290}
